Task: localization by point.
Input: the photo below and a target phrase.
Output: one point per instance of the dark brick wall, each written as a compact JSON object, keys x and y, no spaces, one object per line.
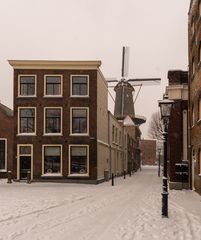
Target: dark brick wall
{"x":148,"y":152}
{"x":6,"y":131}
{"x":65,"y":102}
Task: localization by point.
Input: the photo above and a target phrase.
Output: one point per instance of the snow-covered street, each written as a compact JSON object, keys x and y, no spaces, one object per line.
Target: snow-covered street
{"x":129,"y":210}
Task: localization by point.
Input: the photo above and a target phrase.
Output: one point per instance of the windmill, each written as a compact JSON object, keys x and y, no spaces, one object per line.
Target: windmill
{"x":124,"y":89}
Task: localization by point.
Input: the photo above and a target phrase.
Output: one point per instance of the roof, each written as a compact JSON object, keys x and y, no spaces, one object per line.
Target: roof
{"x":128,"y":121}
{"x":54,"y":64}
{"x":6,"y":110}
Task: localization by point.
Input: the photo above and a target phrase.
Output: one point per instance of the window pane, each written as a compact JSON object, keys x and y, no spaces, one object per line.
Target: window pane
{"x":25,"y":149}
{"x":79,"y":79}
{"x":78,"y":160}
{"x":27,"y":85}
{"x":53,"y":85}
{"x":2,"y":154}
{"x":79,"y":113}
{"x":49,"y":89}
{"x":27,"y":112}
{"x":53,"y":120}
{"x":83,"y":89}
{"x":79,"y":85}
{"x":52,"y":160}
{"x":53,"y":112}
{"x":53,"y":79}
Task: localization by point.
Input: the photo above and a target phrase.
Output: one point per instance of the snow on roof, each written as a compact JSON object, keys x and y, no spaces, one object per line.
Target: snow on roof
{"x":128,"y":121}
{"x":6,"y":110}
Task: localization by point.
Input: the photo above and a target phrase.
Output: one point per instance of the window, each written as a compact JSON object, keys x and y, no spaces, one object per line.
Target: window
{"x":25,"y":160}
{"x":3,"y":154}
{"x":193,"y":66}
{"x":26,"y":120}
{"x":53,"y":121}
{"x":119,"y":137}
{"x":79,"y":160}
{"x":52,"y":159}
{"x":113,"y":129}
{"x":116,"y":134}
{"x":79,"y":121}
{"x":53,"y":85}
{"x":79,"y":85}
{"x":27,"y":86}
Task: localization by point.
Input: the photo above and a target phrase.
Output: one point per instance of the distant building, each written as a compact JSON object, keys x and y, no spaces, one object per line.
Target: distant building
{"x":148,"y":152}
{"x":194,"y":43}
{"x":6,"y":140}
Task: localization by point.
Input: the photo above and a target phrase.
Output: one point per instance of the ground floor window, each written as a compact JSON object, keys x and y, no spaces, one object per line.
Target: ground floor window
{"x":79,"y":160}
{"x":3,"y":154}
{"x":52,"y":156}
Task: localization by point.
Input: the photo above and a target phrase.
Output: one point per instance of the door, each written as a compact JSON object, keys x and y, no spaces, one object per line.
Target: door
{"x":25,"y":166}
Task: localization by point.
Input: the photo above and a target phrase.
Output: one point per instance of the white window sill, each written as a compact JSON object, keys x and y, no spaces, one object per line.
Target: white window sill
{"x":78,"y":175}
{"x":53,"y":96}
{"x":79,"y":134}
{"x":52,"y":134}
{"x":79,"y":96}
{"x":3,"y":170}
{"x":26,"y":134}
{"x":52,"y":175}
{"x":24,"y":96}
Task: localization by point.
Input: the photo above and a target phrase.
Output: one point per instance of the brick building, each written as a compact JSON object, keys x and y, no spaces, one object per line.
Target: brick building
{"x":177,"y":90}
{"x":6,"y":140}
{"x":60,"y":120}
{"x":194,"y":38}
{"x":148,"y":152}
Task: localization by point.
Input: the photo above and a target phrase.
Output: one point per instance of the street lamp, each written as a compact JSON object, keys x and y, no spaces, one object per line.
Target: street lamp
{"x":159,"y":161}
{"x":165,"y":108}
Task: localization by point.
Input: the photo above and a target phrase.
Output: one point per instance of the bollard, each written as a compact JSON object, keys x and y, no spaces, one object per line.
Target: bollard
{"x":28,"y":177}
{"x":112,"y":179}
{"x":9,"y":177}
{"x":124,"y":174}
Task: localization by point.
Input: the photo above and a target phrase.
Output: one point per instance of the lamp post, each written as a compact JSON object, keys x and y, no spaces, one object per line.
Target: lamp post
{"x":159,"y":161}
{"x":165,"y":108}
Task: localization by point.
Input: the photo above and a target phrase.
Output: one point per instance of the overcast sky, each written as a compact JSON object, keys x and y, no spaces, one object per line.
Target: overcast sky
{"x":155,"y":31}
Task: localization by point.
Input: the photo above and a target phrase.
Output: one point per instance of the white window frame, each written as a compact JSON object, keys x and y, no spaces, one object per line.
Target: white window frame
{"x":199,"y":8}
{"x":71,"y":122}
{"x":69,"y":161}
{"x":71,"y":85}
{"x":44,"y":122}
{"x":43,"y":161}
{"x":18,"y":159}
{"x":6,"y":154}
{"x":35,"y":84}
{"x":53,"y":75}
{"x":18,"y":122}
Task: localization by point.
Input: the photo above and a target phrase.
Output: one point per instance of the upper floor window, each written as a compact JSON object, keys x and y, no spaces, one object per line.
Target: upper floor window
{"x":26,"y":120}
{"x":80,"y":85}
{"x":79,"y":121}
{"x":199,"y":53}
{"x":116,"y":135}
{"x":119,"y":137}
{"x":53,"y":120}
{"x":199,"y":8}
{"x":27,"y":86}
{"x":53,"y":85}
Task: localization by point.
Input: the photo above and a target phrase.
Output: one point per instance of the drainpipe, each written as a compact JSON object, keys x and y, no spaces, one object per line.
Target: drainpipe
{"x":109,"y":143}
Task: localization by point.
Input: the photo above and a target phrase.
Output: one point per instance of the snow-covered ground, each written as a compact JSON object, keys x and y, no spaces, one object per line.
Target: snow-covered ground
{"x":129,"y":210}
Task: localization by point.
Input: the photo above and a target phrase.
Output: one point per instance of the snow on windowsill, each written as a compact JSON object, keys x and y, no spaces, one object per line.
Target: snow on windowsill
{"x":78,"y":175}
{"x":52,"y":175}
{"x":3,"y":170}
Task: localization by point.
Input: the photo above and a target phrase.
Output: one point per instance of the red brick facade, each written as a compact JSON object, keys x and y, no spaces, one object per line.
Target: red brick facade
{"x":148,"y":152}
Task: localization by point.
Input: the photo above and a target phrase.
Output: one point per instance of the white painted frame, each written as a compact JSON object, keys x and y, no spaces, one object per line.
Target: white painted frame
{"x":69,"y":160}
{"x":53,"y":75}
{"x":6,"y":154}
{"x":18,"y":159}
{"x":71,"y":85}
{"x":71,"y":122}
{"x":44,"y":122}
{"x":61,"y":161}
{"x":18,"y":122}
{"x":35,"y":85}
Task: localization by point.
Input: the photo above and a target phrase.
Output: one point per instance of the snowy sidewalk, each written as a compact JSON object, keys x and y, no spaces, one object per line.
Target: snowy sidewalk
{"x":129,"y":210}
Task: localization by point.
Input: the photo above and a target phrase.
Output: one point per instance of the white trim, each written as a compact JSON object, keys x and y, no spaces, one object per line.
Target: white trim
{"x":44,"y":122}
{"x":6,"y":154}
{"x":18,"y":122}
{"x":71,"y":125}
{"x":103,"y":143}
{"x":18,"y":159}
{"x":52,"y":75}
{"x":61,"y":160}
{"x":69,"y":160}
{"x":71,"y":89}
{"x":35,"y":85}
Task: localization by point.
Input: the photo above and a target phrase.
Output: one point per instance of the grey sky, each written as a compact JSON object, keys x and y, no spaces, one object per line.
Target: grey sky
{"x":155,"y":31}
